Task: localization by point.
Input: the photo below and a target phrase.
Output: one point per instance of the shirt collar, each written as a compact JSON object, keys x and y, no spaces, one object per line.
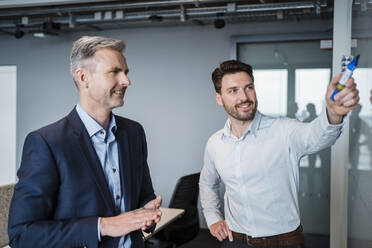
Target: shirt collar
{"x":90,"y":124}
{"x":252,"y":128}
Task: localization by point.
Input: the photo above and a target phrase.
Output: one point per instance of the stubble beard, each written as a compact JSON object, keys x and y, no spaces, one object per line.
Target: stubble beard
{"x":245,"y":116}
{"x":117,"y":102}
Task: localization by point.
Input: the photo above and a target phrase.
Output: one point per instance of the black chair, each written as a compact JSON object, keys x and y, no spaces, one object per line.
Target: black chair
{"x":186,"y":228}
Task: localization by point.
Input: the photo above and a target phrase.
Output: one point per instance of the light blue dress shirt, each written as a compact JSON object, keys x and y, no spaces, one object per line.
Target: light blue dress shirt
{"x":107,"y":151}
{"x":260,"y":171}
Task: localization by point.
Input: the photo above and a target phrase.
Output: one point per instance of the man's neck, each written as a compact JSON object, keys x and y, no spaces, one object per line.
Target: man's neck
{"x":238,"y":128}
{"x":100,"y":115}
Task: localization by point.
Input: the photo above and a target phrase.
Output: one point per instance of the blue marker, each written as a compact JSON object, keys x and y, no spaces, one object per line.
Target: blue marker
{"x":345,"y":76}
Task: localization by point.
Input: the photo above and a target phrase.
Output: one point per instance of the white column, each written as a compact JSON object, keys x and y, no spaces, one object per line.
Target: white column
{"x":340,"y":156}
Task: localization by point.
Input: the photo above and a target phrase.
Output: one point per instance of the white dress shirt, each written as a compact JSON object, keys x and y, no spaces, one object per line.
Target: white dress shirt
{"x":260,"y":172}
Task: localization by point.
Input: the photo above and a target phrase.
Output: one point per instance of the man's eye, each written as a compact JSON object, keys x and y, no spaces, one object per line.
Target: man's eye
{"x":249,"y":87}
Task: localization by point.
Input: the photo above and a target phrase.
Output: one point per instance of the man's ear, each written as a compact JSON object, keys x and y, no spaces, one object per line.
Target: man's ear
{"x":81,"y":78}
{"x":218,"y":98}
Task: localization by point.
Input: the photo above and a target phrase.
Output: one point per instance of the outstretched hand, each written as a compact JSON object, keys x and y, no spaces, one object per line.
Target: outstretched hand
{"x":345,"y":100}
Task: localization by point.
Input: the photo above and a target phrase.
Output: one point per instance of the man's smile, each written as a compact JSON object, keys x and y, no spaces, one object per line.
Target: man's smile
{"x":246,"y":106}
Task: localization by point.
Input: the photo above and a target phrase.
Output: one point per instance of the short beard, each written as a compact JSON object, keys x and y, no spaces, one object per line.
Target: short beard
{"x":248,"y":116}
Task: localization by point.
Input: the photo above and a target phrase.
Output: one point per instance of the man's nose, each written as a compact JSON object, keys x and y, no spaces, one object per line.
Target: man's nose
{"x":243,"y":96}
{"x":124,"y":79}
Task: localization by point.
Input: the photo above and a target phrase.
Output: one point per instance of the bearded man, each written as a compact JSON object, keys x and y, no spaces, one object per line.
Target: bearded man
{"x":257,"y":158}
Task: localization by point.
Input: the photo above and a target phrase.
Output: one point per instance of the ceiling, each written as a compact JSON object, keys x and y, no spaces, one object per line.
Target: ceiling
{"x":49,"y":17}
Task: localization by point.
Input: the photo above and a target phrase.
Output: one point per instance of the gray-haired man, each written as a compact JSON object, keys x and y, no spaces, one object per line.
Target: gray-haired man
{"x":84,"y":180}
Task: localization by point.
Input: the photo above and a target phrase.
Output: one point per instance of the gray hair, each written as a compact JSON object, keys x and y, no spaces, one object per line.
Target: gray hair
{"x":87,"y":46}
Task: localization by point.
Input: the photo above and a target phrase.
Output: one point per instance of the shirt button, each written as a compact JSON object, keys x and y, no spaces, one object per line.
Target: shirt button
{"x":114,"y":170}
{"x":117,"y":197}
{"x":101,"y":132}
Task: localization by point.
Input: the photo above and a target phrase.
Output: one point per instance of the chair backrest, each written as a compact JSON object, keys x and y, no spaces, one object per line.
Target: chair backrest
{"x":6,"y":193}
{"x":185,"y":196}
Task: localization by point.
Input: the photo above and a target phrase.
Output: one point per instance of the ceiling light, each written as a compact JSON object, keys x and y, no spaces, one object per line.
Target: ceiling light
{"x":40,"y":35}
{"x":280,"y":15}
{"x":48,"y":29}
{"x":97,"y":16}
{"x":19,"y":33}
{"x":24,"y":20}
{"x":317,"y":7}
{"x":182,"y":14}
{"x":71,"y":21}
{"x":108,"y":15}
{"x":231,"y":7}
{"x":155,"y":18}
{"x":219,"y":22}
{"x":119,"y":14}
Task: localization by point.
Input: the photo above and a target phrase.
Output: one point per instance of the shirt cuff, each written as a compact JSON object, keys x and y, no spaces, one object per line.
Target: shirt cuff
{"x":212,"y":218}
{"x":99,"y":230}
{"x":325,"y":121}
{"x":331,"y":129}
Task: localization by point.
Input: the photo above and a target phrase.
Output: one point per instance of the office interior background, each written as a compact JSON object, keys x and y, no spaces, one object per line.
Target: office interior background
{"x":172,"y":49}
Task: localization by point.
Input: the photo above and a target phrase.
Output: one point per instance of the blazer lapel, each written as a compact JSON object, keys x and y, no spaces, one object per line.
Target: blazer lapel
{"x":90,"y":158}
{"x":122,"y":139}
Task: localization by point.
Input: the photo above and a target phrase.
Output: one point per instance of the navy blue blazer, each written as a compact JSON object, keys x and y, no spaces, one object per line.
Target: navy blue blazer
{"x":62,"y":189}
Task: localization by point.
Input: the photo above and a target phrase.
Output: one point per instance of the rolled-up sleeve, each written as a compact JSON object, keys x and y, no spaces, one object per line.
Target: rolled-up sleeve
{"x":307,"y":138}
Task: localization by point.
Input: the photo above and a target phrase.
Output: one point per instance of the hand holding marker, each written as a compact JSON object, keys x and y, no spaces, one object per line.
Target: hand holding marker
{"x":345,"y":76}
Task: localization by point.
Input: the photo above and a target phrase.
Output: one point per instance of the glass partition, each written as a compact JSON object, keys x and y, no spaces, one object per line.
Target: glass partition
{"x":291,"y":79}
{"x":360,"y":151}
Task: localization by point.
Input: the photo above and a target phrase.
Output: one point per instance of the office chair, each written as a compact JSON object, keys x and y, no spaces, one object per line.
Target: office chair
{"x":186,"y":228}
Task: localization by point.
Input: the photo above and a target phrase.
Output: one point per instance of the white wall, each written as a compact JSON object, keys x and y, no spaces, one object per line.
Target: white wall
{"x":8,"y":109}
{"x":171,"y":93}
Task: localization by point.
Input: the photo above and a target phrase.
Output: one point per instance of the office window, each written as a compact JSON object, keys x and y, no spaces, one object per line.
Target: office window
{"x":363,"y":78}
{"x":271,"y":89}
{"x":311,"y":85}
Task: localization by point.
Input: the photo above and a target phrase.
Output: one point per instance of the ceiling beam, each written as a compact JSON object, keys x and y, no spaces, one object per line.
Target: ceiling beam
{"x":35,"y":3}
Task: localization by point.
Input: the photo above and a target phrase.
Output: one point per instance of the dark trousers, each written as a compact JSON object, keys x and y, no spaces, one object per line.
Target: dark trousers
{"x":238,"y":243}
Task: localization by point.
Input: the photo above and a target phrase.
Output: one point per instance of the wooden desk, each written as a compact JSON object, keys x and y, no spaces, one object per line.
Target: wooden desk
{"x":168,"y":216}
